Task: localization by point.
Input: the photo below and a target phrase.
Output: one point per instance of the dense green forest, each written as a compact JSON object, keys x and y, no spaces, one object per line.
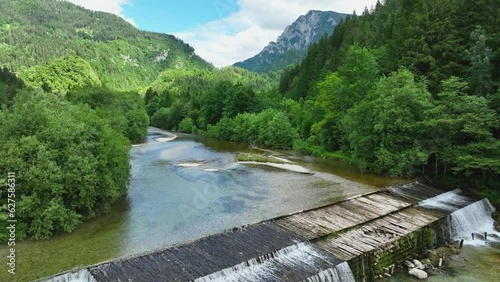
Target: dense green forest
{"x":70,"y":151}
{"x":408,"y":88}
{"x":199,"y":98}
{"x":34,"y":32}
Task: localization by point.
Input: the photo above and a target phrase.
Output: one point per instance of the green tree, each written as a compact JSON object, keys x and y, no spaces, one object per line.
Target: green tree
{"x":124,"y":110}
{"x":460,"y":129}
{"x":341,"y":90}
{"x":384,"y":132}
{"x":479,"y":56}
{"x":61,"y":75}
{"x":187,"y":125}
{"x":9,"y":85}
{"x":239,"y":99}
{"x":47,"y":142}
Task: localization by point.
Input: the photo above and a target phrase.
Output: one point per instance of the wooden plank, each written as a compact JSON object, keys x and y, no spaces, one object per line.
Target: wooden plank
{"x":386,"y":198}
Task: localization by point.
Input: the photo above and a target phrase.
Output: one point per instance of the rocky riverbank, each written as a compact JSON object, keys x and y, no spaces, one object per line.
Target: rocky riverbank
{"x":431,"y":263}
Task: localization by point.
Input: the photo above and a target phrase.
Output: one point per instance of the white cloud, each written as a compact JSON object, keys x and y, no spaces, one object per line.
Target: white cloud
{"x":109,"y":6}
{"x":245,"y":33}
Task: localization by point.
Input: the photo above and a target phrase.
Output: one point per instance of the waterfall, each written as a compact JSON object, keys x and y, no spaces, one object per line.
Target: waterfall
{"x":262,"y":268}
{"x":82,"y":275}
{"x":448,"y":202}
{"x":341,"y":273}
{"x":475,"y":218}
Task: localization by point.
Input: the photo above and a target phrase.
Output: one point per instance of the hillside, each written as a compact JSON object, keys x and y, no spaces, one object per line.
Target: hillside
{"x":408,"y":88}
{"x":34,"y":32}
{"x":291,"y":47}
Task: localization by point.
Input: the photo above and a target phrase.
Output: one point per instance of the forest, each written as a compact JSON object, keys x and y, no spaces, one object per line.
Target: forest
{"x":35,"y":32}
{"x":71,"y":148}
{"x":409,"y":88}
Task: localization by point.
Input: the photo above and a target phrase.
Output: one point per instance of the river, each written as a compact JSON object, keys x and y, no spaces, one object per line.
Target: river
{"x":185,"y":189}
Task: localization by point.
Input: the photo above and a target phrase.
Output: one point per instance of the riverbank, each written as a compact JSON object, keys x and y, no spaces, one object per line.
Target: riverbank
{"x":471,"y":263}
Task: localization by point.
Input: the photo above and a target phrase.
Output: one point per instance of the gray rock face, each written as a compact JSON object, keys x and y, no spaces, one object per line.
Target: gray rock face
{"x":291,"y":46}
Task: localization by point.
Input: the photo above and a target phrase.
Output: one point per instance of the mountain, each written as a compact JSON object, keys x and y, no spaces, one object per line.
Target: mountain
{"x":292,"y":45}
{"x":34,"y":32}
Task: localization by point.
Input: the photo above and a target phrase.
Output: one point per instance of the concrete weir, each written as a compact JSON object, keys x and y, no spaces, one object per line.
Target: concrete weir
{"x":358,"y":239}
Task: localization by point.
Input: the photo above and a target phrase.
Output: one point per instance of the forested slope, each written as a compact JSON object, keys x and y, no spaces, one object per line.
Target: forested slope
{"x":34,"y":32}
{"x":410,"y":87}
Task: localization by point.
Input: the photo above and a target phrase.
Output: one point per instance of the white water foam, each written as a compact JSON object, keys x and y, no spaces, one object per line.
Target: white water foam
{"x":262,"y":268}
{"x":449,"y":201}
{"x":211,"y":170}
{"x":83,"y":275}
{"x":475,"y":218}
{"x":341,"y":273}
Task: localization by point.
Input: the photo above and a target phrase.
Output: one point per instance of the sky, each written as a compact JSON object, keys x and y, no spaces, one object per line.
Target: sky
{"x":222,"y":32}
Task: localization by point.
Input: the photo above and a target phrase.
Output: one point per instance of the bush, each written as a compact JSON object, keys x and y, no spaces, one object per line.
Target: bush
{"x":187,"y":125}
{"x":270,"y":128}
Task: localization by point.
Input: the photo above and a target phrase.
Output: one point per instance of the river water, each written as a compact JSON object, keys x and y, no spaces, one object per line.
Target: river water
{"x":185,"y":189}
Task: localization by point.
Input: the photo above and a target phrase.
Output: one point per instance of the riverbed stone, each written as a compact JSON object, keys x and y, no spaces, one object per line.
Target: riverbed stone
{"x":418,"y":264}
{"x":409,"y":264}
{"x":420,"y":274}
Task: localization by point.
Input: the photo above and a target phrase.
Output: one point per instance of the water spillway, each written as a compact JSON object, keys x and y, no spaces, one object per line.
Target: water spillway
{"x":352,"y":240}
{"x":475,"y":218}
{"x":82,"y":275}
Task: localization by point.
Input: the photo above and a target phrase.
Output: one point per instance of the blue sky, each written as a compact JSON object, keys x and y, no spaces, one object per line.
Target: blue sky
{"x":222,"y":32}
{"x":177,"y":16}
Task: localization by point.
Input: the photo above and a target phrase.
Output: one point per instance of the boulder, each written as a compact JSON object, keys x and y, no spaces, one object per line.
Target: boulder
{"x":420,"y":274}
{"x":409,"y":264}
{"x":418,"y":264}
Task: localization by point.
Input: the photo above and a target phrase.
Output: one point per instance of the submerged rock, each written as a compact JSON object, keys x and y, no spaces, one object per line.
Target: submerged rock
{"x":420,"y":274}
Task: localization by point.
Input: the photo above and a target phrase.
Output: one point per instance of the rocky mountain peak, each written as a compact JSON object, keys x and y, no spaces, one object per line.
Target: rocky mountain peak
{"x":298,"y":36}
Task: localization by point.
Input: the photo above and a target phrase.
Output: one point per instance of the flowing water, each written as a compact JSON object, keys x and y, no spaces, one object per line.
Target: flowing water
{"x":341,"y":273}
{"x":449,"y":202}
{"x":479,"y":259}
{"x":475,"y":218}
{"x":301,"y":258}
{"x":82,"y":275}
{"x":187,"y":188}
